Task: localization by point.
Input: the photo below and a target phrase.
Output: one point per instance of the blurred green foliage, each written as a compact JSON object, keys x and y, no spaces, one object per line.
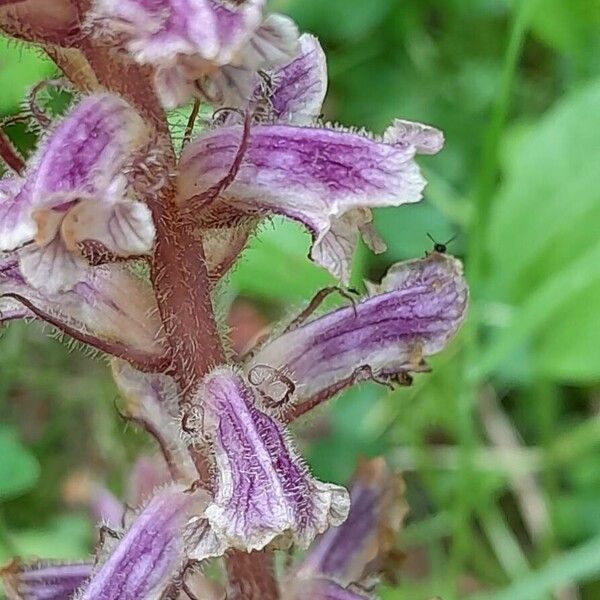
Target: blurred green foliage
{"x":501,"y":442}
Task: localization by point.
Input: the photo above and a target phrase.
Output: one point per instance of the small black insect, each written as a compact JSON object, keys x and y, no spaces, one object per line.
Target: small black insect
{"x":439,"y":247}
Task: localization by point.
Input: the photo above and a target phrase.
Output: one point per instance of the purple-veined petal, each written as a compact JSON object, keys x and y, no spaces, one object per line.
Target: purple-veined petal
{"x":84,"y":156}
{"x":299,"y":87}
{"x":418,"y":307}
{"x":262,"y":488}
{"x":75,"y":191}
{"x":151,"y":401}
{"x":356,"y":551}
{"x":216,"y":44}
{"x":51,"y":269}
{"x":151,"y":552}
{"x":111,"y":306}
{"x":312,"y":175}
{"x":44,"y":580}
{"x":123,"y":228}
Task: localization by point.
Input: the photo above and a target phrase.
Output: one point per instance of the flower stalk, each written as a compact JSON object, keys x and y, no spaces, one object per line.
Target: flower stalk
{"x":114,"y":238}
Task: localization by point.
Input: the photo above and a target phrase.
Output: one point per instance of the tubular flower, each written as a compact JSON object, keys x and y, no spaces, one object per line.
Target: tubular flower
{"x":414,"y":312}
{"x":262,"y":490}
{"x":150,"y":552}
{"x":44,"y":580}
{"x":106,"y":186}
{"x":354,"y":553}
{"x":325,"y":178}
{"x":74,"y":191}
{"x":210,"y":49}
{"x":110,"y":309}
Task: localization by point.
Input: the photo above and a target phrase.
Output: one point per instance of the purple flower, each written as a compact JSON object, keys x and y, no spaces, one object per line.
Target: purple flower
{"x":110,"y":309}
{"x":205,"y":48}
{"x":151,"y":400}
{"x":44,"y":580}
{"x":326,"y":179}
{"x":75,"y":191}
{"x":356,"y":551}
{"x":106,"y":187}
{"x":262,"y":490}
{"x":151,"y":552}
{"x":414,"y":312}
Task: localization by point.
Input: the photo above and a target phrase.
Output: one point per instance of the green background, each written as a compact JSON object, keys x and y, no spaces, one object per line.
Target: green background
{"x":500,"y":445}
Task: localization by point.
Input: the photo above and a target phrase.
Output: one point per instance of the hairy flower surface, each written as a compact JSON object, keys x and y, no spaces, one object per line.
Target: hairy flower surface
{"x":412,"y":314}
{"x":74,"y":191}
{"x":326,"y":179}
{"x":152,"y":550}
{"x":263,"y":489}
{"x":109,"y":185}
{"x":110,"y":309}
{"x":44,"y":580}
{"x":151,"y":401}
{"x":205,"y":48}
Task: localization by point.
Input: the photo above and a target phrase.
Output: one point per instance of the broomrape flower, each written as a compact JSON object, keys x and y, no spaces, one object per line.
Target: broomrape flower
{"x":112,"y":238}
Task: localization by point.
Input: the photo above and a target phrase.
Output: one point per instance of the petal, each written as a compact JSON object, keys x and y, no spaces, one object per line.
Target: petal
{"x":81,"y":159}
{"x":152,"y":551}
{"x":86,"y":152}
{"x":159,"y":31}
{"x":273,"y":44}
{"x":299,"y":87}
{"x":173,"y":86}
{"x":222,"y":247}
{"x":151,"y":401}
{"x":123,"y":228}
{"x":311,"y":175}
{"x":17,"y":225}
{"x":110,"y":305}
{"x":419,"y":307}
{"x":262,"y":488}
{"x":52,"y":268}
{"x":44,"y":580}
{"x":219,"y":45}
{"x":356,"y":550}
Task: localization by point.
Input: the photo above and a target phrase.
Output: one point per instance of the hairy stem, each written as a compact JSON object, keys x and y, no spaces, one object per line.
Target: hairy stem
{"x":182,"y":286}
{"x":9,"y":155}
{"x":251,"y":576}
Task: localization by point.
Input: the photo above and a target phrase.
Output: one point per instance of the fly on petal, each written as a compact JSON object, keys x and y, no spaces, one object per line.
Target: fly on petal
{"x":44,"y":580}
{"x":151,"y":552}
{"x":262,"y":488}
{"x":416,"y":310}
{"x":326,"y":179}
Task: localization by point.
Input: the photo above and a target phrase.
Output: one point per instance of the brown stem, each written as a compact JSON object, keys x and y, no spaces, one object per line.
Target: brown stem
{"x":251,"y":576}
{"x":9,"y":155}
{"x":182,"y":286}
